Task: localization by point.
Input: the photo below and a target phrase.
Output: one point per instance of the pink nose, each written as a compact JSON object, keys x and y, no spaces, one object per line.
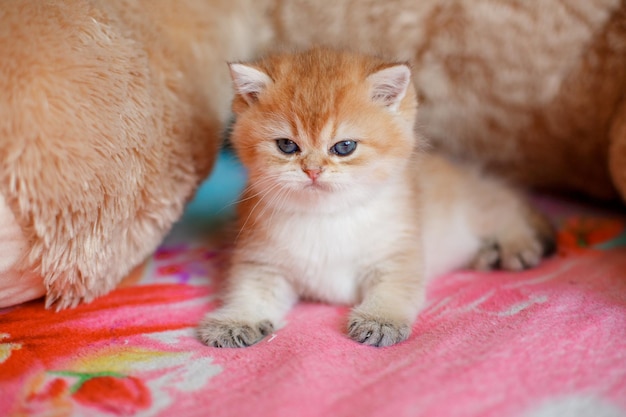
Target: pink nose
{"x":313,"y":173}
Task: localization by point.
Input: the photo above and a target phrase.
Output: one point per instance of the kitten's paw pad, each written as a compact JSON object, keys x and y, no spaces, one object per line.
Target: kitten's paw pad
{"x":518,"y":258}
{"x":376,"y":332}
{"x":487,"y":258}
{"x":232,"y":333}
{"x":511,"y":257}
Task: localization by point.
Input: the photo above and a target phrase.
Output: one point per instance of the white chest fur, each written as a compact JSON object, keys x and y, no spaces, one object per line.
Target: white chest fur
{"x":326,"y":256}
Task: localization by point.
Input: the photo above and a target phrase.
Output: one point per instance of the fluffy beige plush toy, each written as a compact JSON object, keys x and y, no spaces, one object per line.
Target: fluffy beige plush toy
{"x":111,"y":114}
{"x":111,"y":111}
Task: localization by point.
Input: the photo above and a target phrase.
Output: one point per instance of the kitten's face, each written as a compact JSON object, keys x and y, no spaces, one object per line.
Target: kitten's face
{"x":322,"y":129}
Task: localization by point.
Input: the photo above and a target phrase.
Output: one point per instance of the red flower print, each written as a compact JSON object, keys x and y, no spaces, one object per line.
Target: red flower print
{"x":46,"y":395}
{"x":579,"y":234}
{"x":53,"y":390}
{"x":122,"y":395}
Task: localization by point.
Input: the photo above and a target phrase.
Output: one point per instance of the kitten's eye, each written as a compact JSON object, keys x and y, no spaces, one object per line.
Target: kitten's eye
{"x":287,"y":146}
{"x":343,"y":148}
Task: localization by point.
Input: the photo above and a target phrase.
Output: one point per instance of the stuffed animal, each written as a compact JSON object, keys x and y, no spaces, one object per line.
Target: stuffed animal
{"x":111,"y":112}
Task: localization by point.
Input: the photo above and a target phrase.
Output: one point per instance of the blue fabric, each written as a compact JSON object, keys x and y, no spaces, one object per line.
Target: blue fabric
{"x":214,"y":202}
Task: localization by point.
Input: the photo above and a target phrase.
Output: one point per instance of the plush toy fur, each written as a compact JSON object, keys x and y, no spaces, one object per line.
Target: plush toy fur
{"x":112,"y":111}
{"x":111,"y":116}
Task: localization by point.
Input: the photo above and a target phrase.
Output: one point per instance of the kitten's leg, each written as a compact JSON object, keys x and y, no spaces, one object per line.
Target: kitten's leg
{"x":503,"y":230}
{"x":393,"y":295}
{"x":257,"y":300}
{"x":514,"y":235}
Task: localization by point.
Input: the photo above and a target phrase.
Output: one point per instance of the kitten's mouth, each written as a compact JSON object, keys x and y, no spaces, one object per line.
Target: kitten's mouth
{"x":316,"y":186}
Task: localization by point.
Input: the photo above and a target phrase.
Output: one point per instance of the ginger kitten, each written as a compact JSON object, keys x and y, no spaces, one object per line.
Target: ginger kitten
{"x":343,"y":206}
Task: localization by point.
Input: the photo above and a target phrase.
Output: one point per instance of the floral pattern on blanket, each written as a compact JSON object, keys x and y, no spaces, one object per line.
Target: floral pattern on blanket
{"x":543,"y":342}
{"x":141,"y":358}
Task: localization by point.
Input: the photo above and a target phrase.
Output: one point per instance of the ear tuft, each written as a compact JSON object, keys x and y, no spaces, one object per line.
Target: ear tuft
{"x":249,"y":82}
{"x":389,"y":85}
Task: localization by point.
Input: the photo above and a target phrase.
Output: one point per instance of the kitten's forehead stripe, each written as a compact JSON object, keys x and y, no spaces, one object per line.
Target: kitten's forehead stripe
{"x":314,"y":109}
{"x":321,"y":138}
{"x":313,"y":86}
{"x":327,"y":134}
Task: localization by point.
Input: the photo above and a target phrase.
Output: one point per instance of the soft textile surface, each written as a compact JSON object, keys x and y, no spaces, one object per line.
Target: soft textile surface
{"x":547,"y":342}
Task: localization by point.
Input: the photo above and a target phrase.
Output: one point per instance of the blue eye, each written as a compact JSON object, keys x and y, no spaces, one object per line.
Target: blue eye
{"x":287,"y":146}
{"x":343,"y":148}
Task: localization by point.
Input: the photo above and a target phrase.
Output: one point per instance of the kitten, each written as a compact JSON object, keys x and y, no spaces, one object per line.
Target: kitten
{"x":344,"y":206}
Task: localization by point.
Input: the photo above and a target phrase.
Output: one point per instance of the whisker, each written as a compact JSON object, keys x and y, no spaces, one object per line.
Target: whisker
{"x":249,"y":188}
{"x":275,"y":198}
{"x":281,"y":203}
{"x":269,"y":190}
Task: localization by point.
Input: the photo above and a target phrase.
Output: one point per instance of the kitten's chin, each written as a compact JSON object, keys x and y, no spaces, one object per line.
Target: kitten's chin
{"x":323,"y":198}
{"x":317,"y":187}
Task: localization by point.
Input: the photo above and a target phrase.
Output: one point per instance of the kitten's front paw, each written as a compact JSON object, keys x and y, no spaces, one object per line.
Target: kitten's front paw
{"x":224,"y":333}
{"x":376,"y":331}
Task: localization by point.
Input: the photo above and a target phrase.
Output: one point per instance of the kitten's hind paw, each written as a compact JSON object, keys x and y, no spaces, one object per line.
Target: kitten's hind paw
{"x":516,"y":251}
{"x":376,"y":331}
{"x":224,"y":333}
{"x":511,"y":258}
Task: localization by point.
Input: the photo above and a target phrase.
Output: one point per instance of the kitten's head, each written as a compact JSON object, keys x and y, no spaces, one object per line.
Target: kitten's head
{"x":322,"y":128}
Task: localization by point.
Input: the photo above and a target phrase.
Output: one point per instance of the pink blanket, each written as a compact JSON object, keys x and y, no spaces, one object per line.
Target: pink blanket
{"x":547,"y":342}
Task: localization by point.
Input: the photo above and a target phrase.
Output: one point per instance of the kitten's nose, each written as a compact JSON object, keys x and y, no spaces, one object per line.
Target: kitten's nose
{"x":313,"y":173}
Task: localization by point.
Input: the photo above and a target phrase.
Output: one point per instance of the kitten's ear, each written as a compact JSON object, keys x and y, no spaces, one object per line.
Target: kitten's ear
{"x":389,"y":85}
{"x":249,"y":82}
